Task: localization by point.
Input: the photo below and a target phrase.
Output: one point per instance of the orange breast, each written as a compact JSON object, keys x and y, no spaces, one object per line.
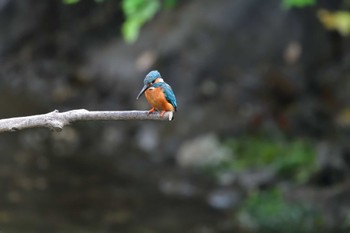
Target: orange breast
{"x":156,"y":98}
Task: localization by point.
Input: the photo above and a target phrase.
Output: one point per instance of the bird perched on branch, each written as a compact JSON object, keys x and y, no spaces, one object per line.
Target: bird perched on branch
{"x":158,"y":94}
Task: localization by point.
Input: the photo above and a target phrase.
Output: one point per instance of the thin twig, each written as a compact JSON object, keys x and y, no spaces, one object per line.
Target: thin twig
{"x":56,"y":120}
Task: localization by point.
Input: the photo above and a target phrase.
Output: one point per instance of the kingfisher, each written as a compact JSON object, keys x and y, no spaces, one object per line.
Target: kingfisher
{"x":158,"y":94}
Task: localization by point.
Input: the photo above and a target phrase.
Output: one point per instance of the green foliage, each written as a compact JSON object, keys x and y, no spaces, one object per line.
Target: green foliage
{"x":338,"y":20}
{"x":169,"y":3}
{"x":269,"y":212}
{"x":291,"y":159}
{"x":298,"y":3}
{"x":70,"y":1}
{"x":137,"y":12}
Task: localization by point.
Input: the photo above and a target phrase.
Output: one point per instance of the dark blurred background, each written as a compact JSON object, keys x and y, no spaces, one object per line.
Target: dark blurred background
{"x":260,"y":142}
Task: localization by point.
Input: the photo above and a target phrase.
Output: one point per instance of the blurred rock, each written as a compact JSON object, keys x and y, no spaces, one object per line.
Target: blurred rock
{"x":177,"y":187}
{"x":227,"y":178}
{"x":224,"y":199}
{"x":147,"y":138}
{"x":255,"y":179}
{"x":292,"y":52}
{"x":202,"y":151}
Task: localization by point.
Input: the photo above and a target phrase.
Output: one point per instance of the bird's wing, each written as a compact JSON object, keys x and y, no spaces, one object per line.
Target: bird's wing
{"x":169,"y":94}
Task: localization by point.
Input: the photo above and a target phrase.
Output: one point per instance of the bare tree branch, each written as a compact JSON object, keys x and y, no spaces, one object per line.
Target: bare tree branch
{"x":57,"y":120}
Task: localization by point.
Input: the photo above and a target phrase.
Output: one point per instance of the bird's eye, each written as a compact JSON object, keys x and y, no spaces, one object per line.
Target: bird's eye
{"x":153,"y":81}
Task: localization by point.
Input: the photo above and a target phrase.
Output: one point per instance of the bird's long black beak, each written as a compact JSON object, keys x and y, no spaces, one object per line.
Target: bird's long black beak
{"x":145,"y":87}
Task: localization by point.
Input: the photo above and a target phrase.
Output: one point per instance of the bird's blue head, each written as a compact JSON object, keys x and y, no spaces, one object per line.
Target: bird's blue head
{"x":151,"y":78}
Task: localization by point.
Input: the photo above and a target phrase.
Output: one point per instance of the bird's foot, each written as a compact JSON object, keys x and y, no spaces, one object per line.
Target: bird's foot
{"x":151,"y":110}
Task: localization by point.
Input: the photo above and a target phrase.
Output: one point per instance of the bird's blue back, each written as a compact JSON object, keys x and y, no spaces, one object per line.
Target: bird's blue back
{"x":168,"y":92}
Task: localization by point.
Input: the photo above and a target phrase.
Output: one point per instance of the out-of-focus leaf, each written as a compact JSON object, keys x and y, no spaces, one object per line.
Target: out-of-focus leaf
{"x":338,"y":20}
{"x":137,"y":12}
{"x":268,"y":211}
{"x":298,"y":3}
{"x":130,"y":30}
{"x":70,"y":1}
{"x":169,"y":3}
{"x":293,"y":159}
